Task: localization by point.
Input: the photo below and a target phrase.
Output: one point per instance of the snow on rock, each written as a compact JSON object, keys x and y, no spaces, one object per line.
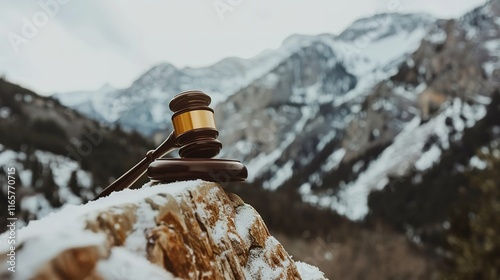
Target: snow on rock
{"x":308,"y":271}
{"x":128,"y":266}
{"x":189,"y":230}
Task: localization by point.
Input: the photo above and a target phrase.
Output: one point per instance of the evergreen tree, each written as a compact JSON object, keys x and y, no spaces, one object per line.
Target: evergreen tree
{"x":50,"y":189}
{"x":474,"y":234}
{"x":73,"y":183}
{"x":36,"y":172}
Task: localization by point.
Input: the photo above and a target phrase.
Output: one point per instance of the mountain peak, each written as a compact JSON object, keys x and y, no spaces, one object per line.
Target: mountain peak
{"x":163,"y":68}
{"x":297,"y":39}
{"x":384,"y":24}
{"x":106,"y":87}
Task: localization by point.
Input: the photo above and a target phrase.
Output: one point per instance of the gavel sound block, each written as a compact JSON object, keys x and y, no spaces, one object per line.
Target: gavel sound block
{"x":195,"y":135}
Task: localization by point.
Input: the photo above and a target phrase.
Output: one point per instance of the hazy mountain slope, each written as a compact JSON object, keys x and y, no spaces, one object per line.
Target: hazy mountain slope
{"x":144,"y":105}
{"x":442,"y":88}
{"x":52,"y":147}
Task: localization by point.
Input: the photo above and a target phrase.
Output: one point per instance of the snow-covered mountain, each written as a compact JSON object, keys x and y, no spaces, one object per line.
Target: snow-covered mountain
{"x":324,"y":83}
{"x":346,"y":115}
{"x":335,"y":117}
{"x":144,"y":105}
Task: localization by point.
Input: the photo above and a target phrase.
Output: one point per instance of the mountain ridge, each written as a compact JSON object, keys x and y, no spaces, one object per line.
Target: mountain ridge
{"x":220,"y":80}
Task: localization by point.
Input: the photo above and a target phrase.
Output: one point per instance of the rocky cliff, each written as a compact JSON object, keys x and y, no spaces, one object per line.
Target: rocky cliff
{"x":188,"y":230}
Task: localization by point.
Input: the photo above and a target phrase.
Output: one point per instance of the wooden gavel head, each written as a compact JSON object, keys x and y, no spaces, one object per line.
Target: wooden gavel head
{"x":194,"y":125}
{"x":195,"y":135}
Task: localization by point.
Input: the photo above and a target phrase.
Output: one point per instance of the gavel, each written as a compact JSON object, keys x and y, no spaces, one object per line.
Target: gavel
{"x":195,"y":135}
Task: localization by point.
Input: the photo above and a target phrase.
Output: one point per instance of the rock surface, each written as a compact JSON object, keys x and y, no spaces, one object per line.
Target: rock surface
{"x":188,"y":230}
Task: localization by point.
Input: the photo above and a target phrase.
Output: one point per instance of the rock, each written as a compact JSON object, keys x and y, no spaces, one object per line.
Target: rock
{"x":188,"y":230}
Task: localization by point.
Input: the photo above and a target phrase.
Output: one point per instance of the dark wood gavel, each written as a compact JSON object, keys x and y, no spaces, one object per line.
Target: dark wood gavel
{"x":195,"y":135}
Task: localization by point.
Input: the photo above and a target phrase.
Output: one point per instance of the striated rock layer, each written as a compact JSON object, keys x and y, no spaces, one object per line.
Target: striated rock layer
{"x":188,"y":230}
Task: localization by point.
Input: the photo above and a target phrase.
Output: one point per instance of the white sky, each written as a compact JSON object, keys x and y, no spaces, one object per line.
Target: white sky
{"x":87,"y":43}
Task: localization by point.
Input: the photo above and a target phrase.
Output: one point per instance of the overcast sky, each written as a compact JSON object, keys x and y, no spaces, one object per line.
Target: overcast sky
{"x":70,"y":45}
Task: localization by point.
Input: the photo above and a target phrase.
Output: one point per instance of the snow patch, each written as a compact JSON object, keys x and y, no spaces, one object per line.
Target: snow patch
{"x":136,"y":241}
{"x":437,"y":37}
{"x":280,"y":176}
{"x":258,"y":268}
{"x":324,"y":140}
{"x":476,"y":162}
{"x":124,"y":265}
{"x":219,"y":231}
{"x":245,"y":217}
{"x":262,"y":162}
{"x":429,"y":158}
{"x":51,"y":245}
{"x":308,"y":271}
{"x":333,"y":160}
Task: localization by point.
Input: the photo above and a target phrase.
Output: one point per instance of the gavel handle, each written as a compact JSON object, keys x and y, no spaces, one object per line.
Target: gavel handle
{"x":131,"y":176}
